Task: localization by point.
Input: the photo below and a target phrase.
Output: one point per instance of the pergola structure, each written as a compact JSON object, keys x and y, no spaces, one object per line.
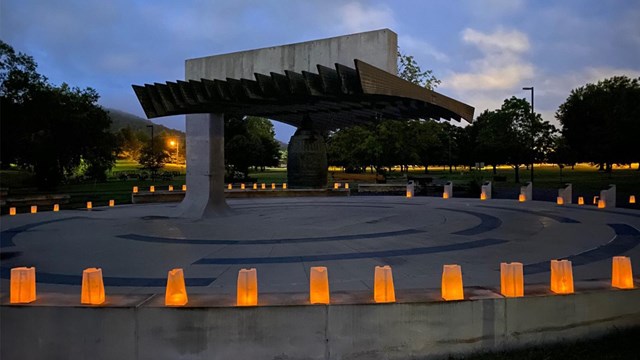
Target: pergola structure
{"x":332,"y":98}
{"x":286,"y":88}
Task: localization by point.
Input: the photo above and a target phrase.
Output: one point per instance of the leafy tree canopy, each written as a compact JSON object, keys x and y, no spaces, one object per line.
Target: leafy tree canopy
{"x":512,"y":135}
{"x":50,"y":130}
{"x":249,"y":142}
{"x":601,"y":122}
{"x":409,"y":70}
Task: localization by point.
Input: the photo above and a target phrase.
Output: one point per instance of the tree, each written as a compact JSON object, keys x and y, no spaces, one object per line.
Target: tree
{"x":18,"y":83}
{"x":511,"y":135}
{"x":130,"y":143}
{"x":390,"y":142}
{"x":153,"y":157}
{"x":427,"y":144}
{"x":492,"y":138}
{"x":409,"y":70}
{"x":51,"y":130}
{"x":262,"y":129}
{"x":249,"y":141}
{"x":601,"y":122}
{"x":353,"y":148}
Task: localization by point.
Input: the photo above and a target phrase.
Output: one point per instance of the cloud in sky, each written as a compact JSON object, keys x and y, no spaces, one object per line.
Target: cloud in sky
{"x":502,"y":65}
{"x":356,"y":17}
{"x":420,"y":47}
{"x":484,"y":51}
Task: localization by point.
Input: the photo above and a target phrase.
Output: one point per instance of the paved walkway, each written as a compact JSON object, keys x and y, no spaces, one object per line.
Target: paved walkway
{"x":135,"y":245}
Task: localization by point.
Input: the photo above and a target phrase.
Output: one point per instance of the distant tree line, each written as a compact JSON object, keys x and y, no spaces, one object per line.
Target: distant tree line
{"x":600,"y":125}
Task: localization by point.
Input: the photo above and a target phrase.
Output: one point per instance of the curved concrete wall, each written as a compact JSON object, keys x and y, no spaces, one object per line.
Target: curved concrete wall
{"x":210,"y":327}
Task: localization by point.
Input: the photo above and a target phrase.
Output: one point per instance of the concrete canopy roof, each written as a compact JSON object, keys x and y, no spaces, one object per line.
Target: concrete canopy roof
{"x":333,"y":98}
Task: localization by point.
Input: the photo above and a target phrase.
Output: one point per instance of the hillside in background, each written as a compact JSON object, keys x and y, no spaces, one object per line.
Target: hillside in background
{"x":121,"y":120}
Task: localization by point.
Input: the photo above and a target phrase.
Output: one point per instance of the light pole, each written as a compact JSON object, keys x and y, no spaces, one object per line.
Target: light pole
{"x":176,"y":144}
{"x":532,"y":114}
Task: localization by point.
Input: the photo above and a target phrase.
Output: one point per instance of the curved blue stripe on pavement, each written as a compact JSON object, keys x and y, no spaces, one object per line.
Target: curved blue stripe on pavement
{"x":627,"y":238}
{"x":586,"y":208}
{"x":293,"y":205}
{"x":60,"y":279}
{"x":6,"y":236}
{"x":487,"y":223}
{"x":558,"y":218}
{"x":351,"y":256}
{"x":165,"y":240}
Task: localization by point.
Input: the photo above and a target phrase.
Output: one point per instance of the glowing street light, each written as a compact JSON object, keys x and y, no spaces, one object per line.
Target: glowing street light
{"x":175,"y":143}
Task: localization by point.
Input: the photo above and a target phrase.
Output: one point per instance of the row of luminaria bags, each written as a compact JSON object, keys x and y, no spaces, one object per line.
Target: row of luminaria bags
{"x":23,"y":283}
{"x":336,"y":186}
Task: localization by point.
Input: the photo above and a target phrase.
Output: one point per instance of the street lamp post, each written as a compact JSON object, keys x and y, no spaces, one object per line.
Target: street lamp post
{"x":532,"y":114}
{"x":176,"y":144}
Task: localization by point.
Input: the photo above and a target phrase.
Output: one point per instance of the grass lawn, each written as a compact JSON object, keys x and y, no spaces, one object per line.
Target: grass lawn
{"x":621,"y":344}
{"x":270,"y":175}
{"x":21,"y":183}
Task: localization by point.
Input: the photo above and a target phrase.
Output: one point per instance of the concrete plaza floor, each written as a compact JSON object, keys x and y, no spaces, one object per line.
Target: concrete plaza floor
{"x":135,"y":245}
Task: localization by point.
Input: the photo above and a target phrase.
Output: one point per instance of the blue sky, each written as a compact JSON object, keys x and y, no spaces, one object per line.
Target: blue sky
{"x":483,"y":50}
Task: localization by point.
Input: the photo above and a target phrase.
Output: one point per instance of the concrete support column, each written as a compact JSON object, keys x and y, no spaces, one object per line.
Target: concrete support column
{"x":205,"y":167}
